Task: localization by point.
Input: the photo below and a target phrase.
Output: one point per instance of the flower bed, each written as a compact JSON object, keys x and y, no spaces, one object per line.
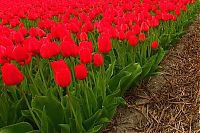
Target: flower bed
{"x":66,"y":64}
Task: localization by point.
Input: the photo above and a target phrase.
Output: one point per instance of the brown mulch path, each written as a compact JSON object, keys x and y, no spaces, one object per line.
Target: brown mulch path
{"x":170,"y":102}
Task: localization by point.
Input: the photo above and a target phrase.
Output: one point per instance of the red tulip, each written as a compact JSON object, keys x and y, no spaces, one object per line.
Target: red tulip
{"x":86,"y":44}
{"x":104,"y":44}
{"x":20,"y":54}
{"x":59,"y":31}
{"x":144,"y":26}
{"x":184,"y":8}
{"x":154,"y":45}
{"x":98,"y":60}
{"x":154,"y":22}
{"x":4,"y":41}
{"x":49,"y":50}
{"x":69,"y":48}
{"x":40,"y":32}
{"x":32,"y":45}
{"x":74,"y":25}
{"x":83,"y":36}
{"x":165,"y":16}
{"x":133,"y":40}
{"x":88,"y":26}
{"x":80,"y":72}
{"x":85,"y":55}
{"x":142,"y":37}
{"x":9,"y":52}
{"x":11,"y":74}
{"x":3,"y":58}
{"x":18,"y":37}
{"x":46,"y":24}
{"x":136,"y":29}
{"x":32,"y":16}
{"x":62,"y":74}
{"x":23,"y":30}
{"x":121,"y":35}
{"x":14,"y":22}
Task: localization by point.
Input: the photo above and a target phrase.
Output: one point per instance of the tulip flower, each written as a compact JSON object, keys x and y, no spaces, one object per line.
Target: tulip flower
{"x":11,"y":75}
{"x":62,"y":74}
{"x":81,"y":72}
{"x":49,"y":50}
{"x":154,"y":45}
{"x":104,"y":44}
{"x":98,"y":60}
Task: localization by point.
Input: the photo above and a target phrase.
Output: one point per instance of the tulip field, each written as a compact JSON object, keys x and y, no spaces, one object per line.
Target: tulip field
{"x":66,"y":64}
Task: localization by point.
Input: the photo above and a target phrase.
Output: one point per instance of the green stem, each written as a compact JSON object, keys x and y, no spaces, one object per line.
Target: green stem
{"x":30,"y":109}
{"x":86,"y":96}
{"x":73,"y":111}
{"x":93,"y":76}
{"x":30,"y":74}
{"x":134,"y":54}
{"x":42,"y":75}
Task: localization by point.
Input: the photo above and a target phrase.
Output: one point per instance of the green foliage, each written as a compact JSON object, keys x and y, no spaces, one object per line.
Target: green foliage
{"x":22,"y":127}
{"x":49,"y":111}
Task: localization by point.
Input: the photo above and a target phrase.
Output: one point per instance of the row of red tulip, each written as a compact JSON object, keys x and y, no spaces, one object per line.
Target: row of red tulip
{"x":112,"y":19}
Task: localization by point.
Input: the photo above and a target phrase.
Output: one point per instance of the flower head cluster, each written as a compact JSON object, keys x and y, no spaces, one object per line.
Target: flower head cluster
{"x":64,"y":27}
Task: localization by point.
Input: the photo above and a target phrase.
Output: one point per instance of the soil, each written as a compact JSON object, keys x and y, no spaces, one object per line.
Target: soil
{"x":169,"y":102}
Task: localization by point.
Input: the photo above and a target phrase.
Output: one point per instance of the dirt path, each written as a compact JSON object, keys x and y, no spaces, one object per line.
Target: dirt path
{"x":170,"y":102}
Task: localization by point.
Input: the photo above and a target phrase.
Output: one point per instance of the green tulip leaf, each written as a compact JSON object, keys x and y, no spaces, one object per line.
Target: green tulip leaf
{"x":21,"y":127}
{"x":53,"y":109}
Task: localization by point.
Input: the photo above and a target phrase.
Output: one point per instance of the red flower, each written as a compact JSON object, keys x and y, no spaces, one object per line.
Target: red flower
{"x":98,"y":60}
{"x":23,"y":30}
{"x":121,"y":35}
{"x":69,"y":48}
{"x":40,"y":32}
{"x":144,"y":26}
{"x":4,"y":21}
{"x":104,"y":44}
{"x":133,"y":40}
{"x":88,"y":26}
{"x":49,"y":50}
{"x":36,"y":32}
{"x":3,"y":58}
{"x":67,"y":37}
{"x":86,"y":44}
{"x":14,"y":22}
{"x":74,"y":25}
{"x":154,"y":45}
{"x":20,"y":54}
{"x":32,"y":16}
{"x":32,"y":45}
{"x":4,"y":41}
{"x":174,"y":17}
{"x":11,"y":74}
{"x":33,"y":32}
{"x":184,"y":8}
{"x":83,"y":36}
{"x":18,"y":37}
{"x":59,"y":31}
{"x":46,"y":24}
{"x":8,"y":52}
{"x":123,"y":27}
{"x":80,"y":72}
{"x":62,"y":74}
{"x":154,"y":22}
{"x":165,"y":16}
{"x":85,"y":55}
{"x":136,"y":29}
{"x":142,"y":37}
